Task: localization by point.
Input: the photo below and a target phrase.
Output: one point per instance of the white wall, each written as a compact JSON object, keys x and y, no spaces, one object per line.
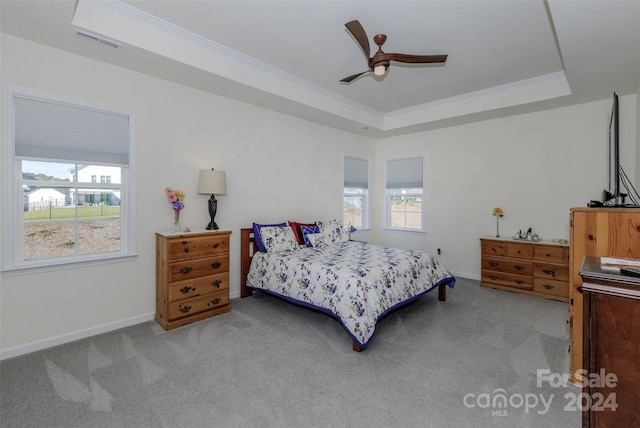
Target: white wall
{"x":535,"y":166}
{"x":278,"y":168}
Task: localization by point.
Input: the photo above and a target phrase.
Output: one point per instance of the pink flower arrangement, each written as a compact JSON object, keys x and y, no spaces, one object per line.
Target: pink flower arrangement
{"x":175,"y":198}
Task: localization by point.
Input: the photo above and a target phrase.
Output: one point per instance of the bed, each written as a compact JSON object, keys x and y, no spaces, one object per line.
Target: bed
{"x":355,"y":282}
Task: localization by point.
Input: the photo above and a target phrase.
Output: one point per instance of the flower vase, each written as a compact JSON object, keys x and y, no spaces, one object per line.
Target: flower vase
{"x":176,"y":221}
{"x":497,"y":226}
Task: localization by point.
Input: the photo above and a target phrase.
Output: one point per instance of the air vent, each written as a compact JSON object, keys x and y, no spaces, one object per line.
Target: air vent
{"x":96,"y":39}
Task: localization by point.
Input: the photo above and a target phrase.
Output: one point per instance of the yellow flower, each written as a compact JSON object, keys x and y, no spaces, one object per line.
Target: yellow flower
{"x":179,"y":194}
{"x":498,"y":212}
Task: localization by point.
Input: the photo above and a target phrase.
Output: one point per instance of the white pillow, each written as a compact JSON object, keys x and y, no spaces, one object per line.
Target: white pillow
{"x":277,"y":239}
{"x":333,"y":231}
{"x":316,"y":239}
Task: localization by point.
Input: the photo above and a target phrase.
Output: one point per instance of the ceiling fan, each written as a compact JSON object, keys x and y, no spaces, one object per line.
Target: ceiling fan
{"x":379,"y":63}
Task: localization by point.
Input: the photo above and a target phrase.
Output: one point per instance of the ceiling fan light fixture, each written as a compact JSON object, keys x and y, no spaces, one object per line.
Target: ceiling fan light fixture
{"x":379,"y":70}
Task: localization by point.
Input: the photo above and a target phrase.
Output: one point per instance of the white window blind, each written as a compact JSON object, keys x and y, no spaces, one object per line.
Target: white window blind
{"x":404,"y":173}
{"x":69,"y":133}
{"x":356,"y":173}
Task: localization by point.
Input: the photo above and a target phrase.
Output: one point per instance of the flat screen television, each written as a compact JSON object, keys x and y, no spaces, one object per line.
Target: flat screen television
{"x":613,"y":192}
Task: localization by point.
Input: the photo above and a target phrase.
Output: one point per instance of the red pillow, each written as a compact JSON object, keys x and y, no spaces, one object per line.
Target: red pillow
{"x":298,"y":232}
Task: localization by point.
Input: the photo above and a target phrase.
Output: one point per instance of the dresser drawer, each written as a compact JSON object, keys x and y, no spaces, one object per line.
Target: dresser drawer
{"x":502,"y":264}
{"x":507,"y":280}
{"x":191,"y":247}
{"x":194,"y":305}
{"x":551,"y":254}
{"x":548,"y":271}
{"x":493,"y":248}
{"x":520,"y":251}
{"x":189,"y":269}
{"x":550,"y":286}
{"x":198,"y":286}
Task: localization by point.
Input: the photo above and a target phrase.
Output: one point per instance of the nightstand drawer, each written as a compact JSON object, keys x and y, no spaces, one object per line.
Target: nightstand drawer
{"x":191,"y":247}
{"x":198,"y":286}
{"x":550,"y":286}
{"x":555,"y":272}
{"x":519,"y":267}
{"x":198,"y":304}
{"x":199,"y":267}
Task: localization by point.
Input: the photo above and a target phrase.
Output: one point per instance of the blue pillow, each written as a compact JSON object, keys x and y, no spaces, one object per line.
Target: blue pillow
{"x":256,"y":234}
{"x":307,"y":230}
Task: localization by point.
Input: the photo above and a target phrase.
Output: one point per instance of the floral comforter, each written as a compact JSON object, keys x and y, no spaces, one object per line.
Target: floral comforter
{"x":358,"y":283}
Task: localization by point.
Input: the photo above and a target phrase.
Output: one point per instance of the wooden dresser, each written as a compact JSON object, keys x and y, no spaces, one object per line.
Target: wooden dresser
{"x":192,"y":277}
{"x":596,"y":232}
{"x":611,"y":347}
{"x":539,"y":269}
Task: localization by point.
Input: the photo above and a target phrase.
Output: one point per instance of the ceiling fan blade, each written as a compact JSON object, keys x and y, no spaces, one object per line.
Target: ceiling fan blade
{"x":355,"y":28}
{"x":423,"y":59}
{"x":352,"y":77}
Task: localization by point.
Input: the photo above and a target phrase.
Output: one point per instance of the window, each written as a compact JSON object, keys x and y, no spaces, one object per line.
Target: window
{"x":403,"y":199}
{"x":356,"y":193}
{"x":54,"y":150}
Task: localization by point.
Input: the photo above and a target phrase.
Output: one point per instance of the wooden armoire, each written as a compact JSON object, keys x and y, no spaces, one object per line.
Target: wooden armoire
{"x":596,"y":232}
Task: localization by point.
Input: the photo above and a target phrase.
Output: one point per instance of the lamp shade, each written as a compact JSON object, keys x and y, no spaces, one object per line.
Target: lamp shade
{"x":212,"y":182}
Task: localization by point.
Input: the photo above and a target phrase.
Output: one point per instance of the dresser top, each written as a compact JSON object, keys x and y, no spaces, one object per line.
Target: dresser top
{"x":525,"y":241}
{"x":193,"y":233}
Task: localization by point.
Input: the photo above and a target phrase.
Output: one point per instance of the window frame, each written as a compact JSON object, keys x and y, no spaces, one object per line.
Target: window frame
{"x":390,"y":192}
{"x":365,"y":193}
{"x":13,"y":262}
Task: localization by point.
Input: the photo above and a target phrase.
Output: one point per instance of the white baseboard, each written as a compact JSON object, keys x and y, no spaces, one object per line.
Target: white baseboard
{"x":466,"y":275}
{"x":73,"y":336}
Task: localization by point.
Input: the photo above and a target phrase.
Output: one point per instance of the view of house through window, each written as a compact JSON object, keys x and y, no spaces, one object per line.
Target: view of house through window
{"x":66,"y":213}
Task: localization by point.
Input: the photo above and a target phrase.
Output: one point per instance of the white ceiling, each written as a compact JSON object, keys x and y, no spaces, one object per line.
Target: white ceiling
{"x":505,"y":57}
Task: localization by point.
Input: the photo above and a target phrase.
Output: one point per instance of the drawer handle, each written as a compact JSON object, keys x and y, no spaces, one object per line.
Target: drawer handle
{"x":549,"y":272}
{"x":216,"y":265}
{"x":591,"y":238}
{"x":519,"y":267}
{"x":186,"y":248}
{"x":186,"y":289}
{"x":493,"y":264}
{"x":493,"y":277}
{"x":216,"y":245}
{"x":216,"y":283}
{"x":519,"y":281}
{"x":547,"y":286}
{"x":215,"y":301}
{"x":185,"y":270}
{"x":185,"y":309}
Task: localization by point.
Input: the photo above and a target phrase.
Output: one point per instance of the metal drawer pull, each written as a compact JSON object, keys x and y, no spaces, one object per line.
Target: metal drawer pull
{"x":215,"y":301}
{"x":186,"y":248}
{"x":216,"y":245}
{"x":547,"y":286}
{"x":185,"y":309}
{"x":549,"y":272}
{"x":186,"y":289}
{"x":493,"y":264}
{"x":493,"y":277}
{"x":216,"y":265}
{"x":216,"y":283}
{"x":518,"y":267}
{"x":185,"y":270}
{"x":519,"y":281}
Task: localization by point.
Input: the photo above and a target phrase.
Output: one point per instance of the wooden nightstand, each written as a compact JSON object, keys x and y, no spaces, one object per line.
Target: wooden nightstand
{"x":192,"y":277}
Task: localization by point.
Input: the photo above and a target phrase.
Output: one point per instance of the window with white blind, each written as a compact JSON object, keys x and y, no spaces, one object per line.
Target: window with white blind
{"x":56,"y":211}
{"x":403,"y":194}
{"x":356,"y":193}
